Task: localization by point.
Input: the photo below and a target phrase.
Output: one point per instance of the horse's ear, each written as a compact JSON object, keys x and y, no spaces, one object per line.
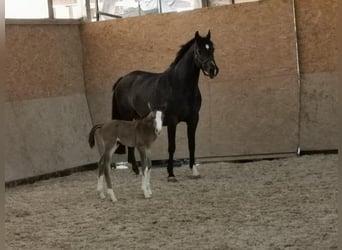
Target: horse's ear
{"x":208,"y":35}
{"x":197,"y":36}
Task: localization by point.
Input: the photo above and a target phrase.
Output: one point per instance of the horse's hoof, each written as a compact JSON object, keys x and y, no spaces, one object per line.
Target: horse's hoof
{"x":102,"y":196}
{"x":136,"y":171}
{"x":171,"y":179}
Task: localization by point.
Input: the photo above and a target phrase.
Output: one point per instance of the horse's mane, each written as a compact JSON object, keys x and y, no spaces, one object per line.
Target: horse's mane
{"x":182,"y":51}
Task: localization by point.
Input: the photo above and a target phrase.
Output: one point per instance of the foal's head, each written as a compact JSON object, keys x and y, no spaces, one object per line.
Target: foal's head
{"x":204,"y":55}
{"x":155,"y":117}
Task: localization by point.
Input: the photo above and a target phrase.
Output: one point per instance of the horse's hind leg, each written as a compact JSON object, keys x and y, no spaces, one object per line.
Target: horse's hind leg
{"x":107,"y":161}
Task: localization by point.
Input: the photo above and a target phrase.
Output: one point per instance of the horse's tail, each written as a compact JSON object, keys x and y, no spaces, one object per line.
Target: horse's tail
{"x":91,"y":138}
{"x":116,"y":116}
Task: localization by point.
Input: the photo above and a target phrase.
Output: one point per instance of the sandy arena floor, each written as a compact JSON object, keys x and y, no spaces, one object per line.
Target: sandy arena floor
{"x":280,"y":204}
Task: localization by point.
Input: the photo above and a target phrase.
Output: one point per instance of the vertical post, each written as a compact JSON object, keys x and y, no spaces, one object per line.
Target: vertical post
{"x":205,"y":3}
{"x":88,"y":12}
{"x":50,"y":8}
{"x":97,"y":10}
{"x":298,"y":75}
{"x":139,"y":8}
{"x":159,"y":6}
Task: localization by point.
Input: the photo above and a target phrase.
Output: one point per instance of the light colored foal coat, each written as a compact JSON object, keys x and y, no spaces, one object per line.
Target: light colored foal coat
{"x":138,"y":133}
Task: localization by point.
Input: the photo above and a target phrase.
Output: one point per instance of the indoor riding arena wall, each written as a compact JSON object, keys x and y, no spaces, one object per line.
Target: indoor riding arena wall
{"x":46,"y":108}
{"x":60,"y":78}
{"x":251,"y":108}
{"x":317,"y":36}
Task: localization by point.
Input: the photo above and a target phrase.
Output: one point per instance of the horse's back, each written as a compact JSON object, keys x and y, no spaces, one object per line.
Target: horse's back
{"x":133,"y":91}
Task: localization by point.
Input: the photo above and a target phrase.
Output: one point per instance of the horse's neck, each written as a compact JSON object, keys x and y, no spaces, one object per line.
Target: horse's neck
{"x":187,"y":71}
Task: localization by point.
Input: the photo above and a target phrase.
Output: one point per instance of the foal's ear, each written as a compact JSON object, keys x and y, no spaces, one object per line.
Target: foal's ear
{"x":149,"y":106}
{"x":208,"y":35}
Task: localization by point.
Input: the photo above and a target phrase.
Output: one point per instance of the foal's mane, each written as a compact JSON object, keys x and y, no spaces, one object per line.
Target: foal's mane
{"x":182,"y":51}
{"x":146,"y":118}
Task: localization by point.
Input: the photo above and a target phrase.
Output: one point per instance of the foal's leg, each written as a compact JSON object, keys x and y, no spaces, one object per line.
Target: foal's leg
{"x":110,"y":148}
{"x":100,"y":178}
{"x":192,"y":125}
{"x":144,"y":172}
{"x":149,"y":168}
{"x":101,"y":168}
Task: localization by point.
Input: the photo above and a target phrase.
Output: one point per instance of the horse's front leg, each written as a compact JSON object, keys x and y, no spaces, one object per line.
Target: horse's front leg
{"x":171,"y":134}
{"x":144,"y":171}
{"x":191,"y":127}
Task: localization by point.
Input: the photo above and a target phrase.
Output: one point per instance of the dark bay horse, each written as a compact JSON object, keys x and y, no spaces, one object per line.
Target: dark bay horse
{"x":177,"y":88}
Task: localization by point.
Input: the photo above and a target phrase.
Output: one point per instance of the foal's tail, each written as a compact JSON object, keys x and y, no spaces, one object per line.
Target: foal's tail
{"x":91,"y":138}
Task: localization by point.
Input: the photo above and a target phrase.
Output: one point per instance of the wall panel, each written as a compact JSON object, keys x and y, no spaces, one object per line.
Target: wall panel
{"x":46,"y":108}
{"x":317,"y":40}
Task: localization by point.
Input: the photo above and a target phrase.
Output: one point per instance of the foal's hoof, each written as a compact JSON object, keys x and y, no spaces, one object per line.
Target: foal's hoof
{"x":172,"y":179}
{"x":195,"y":176}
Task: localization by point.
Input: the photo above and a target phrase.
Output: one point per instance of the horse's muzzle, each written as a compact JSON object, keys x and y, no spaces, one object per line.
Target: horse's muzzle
{"x":210,"y":69}
{"x":213,"y":72}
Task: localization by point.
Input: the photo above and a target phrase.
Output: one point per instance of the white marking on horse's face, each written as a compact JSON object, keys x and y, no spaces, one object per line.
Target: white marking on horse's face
{"x":207,"y":46}
{"x":159,"y":122}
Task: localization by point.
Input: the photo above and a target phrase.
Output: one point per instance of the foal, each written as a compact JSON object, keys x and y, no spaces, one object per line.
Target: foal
{"x":138,"y":133}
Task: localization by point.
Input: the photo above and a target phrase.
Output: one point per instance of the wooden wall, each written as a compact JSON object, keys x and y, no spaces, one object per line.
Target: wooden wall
{"x":252,"y":107}
{"x":59,"y":81}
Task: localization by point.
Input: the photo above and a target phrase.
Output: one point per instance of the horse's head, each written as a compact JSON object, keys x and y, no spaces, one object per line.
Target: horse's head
{"x":156,"y":116}
{"x":204,"y":55}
